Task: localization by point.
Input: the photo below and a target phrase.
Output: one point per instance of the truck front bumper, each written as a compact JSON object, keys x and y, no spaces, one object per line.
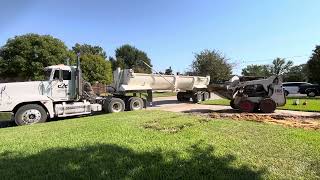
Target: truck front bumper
{"x":6,"y":116}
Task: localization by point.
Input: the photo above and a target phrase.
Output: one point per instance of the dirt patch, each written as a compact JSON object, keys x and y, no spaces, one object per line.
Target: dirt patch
{"x":286,"y":120}
{"x":156,"y":125}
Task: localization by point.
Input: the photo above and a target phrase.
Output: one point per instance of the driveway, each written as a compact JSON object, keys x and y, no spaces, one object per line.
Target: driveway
{"x":171,"y":104}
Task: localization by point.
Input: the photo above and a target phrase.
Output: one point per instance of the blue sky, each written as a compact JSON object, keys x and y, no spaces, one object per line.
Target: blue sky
{"x":170,"y":32}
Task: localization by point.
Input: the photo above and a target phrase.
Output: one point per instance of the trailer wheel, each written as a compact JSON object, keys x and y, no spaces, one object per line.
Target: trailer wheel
{"x":30,"y":114}
{"x":135,"y":103}
{"x":115,"y":105}
{"x":267,"y":105}
{"x":246,"y":106}
{"x":206,"y":96}
{"x":197,"y":97}
{"x":182,"y":96}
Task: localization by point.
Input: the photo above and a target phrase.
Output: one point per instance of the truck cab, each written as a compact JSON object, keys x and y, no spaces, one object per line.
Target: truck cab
{"x":62,"y":82}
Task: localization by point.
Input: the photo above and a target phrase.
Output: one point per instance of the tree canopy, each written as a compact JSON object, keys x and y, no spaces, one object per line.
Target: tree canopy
{"x":89,"y":49}
{"x":296,"y":74}
{"x":94,"y":65}
{"x":256,"y":70}
{"x":280,"y":66}
{"x":213,"y":63}
{"x":130,"y":57}
{"x":25,"y":56}
{"x":168,"y":71}
{"x":96,"y":69}
{"x":313,"y":66}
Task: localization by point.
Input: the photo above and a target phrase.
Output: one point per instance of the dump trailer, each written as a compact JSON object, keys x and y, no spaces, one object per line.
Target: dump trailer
{"x":63,"y":93}
{"x":194,"y":87}
{"x":252,"y":95}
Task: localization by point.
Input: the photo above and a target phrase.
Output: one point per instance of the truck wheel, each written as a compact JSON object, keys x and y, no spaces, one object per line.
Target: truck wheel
{"x":30,"y":114}
{"x":267,"y":105}
{"x":115,"y":105}
{"x":246,"y":106}
{"x":135,"y":103}
{"x":197,"y":97}
{"x":206,"y":96}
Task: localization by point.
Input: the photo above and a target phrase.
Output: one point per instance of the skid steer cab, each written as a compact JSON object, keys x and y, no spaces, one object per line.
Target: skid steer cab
{"x":261,"y":95}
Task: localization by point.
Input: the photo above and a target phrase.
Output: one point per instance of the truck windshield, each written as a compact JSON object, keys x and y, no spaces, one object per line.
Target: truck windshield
{"x":47,"y":74}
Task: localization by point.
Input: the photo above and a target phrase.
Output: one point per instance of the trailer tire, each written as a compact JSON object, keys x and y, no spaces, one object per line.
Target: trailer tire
{"x":182,"y":96}
{"x":115,"y":105}
{"x":135,"y":103}
{"x":267,"y":105}
{"x":246,"y":106}
{"x":197,"y":97}
{"x":30,"y":114}
{"x":206,"y":96}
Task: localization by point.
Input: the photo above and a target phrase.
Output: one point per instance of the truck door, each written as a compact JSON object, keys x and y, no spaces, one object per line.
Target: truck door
{"x":60,"y":85}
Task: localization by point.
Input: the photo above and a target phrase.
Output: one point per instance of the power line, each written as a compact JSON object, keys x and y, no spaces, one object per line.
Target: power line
{"x":271,"y":59}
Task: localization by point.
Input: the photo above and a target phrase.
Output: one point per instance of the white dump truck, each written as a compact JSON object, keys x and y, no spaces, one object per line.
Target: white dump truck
{"x":63,"y":93}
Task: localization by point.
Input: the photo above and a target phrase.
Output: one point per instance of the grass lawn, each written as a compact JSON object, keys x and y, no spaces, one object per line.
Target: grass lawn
{"x":158,"y":145}
{"x":313,"y":104}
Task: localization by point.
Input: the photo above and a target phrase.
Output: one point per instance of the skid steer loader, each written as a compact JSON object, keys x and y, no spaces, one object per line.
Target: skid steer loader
{"x":253,"y":94}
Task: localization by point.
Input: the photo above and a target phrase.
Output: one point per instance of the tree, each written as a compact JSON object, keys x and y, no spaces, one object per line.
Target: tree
{"x":117,"y":63}
{"x":168,"y":71}
{"x":24,"y":57}
{"x":280,"y":66}
{"x":256,"y":70}
{"x":132,"y":58}
{"x":211,"y":63}
{"x":94,"y":65}
{"x":296,"y":74}
{"x":313,"y":66}
{"x":96,"y":68}
{"x":89,"y":49}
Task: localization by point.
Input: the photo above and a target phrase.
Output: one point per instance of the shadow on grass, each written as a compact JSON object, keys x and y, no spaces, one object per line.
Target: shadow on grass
{"x":115,"y":162}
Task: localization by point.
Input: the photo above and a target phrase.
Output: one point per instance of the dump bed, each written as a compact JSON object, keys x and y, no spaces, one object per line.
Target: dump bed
{"x":127,"y":80}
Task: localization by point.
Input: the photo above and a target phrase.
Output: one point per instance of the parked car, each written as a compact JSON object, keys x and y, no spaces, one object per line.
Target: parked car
{"x":293,"y":87}
{"x":310,"y":90}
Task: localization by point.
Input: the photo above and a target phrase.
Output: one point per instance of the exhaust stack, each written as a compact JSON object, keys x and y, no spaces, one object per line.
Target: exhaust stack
{"x":78,"y":78}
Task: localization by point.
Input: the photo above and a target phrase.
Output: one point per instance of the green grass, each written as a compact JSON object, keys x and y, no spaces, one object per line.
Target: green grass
{"x":313,"y":104}
{"x":158,"y":145}
{"x":224,"y":102}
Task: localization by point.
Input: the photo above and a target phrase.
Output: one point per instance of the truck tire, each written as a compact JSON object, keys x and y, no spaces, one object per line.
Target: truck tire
{"x":246,"y":106}
{"x":30,"y":114}
{"x":206,"y":96}
{"x":267,"y":105}
{"x":115,"y":105}
{"x":197,"y":97}
{"x":135,"y":103}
